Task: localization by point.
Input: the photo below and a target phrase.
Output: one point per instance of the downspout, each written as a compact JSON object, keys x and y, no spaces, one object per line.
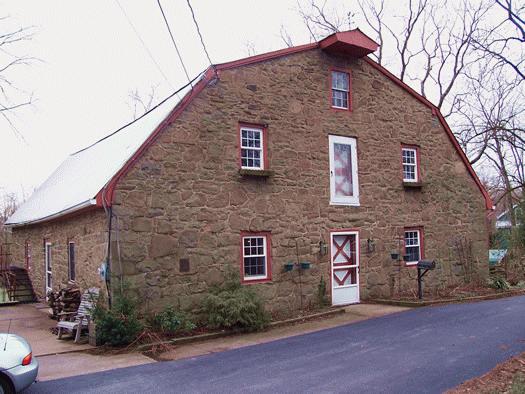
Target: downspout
{"x":109,"y":214}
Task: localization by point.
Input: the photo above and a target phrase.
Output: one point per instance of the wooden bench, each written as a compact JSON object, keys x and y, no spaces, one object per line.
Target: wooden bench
{"x":76,"y":321}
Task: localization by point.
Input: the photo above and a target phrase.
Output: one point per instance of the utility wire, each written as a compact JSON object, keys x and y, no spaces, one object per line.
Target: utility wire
{"x":143,"y":115}
{"x":173,"y":41}
{"x":144,"y":44}
{"x":200,"y":36}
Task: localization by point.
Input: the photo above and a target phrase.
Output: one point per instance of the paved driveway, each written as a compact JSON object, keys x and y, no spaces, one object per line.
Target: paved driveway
{"x":424,"y":350}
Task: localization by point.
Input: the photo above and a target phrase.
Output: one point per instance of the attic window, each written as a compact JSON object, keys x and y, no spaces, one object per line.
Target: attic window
{"x":410,"y":159}
{"x":252,"y":147}
{"x":340,"y":90}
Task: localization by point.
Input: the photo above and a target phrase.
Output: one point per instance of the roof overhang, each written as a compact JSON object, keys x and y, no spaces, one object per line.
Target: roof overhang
{"x":350,"y":43}
{"x":66,"y":212}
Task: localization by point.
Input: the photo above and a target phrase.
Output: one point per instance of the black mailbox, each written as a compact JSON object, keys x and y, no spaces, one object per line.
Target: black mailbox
{"x":426,"y":264}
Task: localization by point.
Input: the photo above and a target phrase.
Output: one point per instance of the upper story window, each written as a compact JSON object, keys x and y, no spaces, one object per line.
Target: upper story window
{"x":255,"y":257}
{"x":71,"y":259}
{"x":410,"y":158}
{"x":344,"y":185}
{"x":253,"y":147}
{"x":413,"y":246}
{"x":340,"y":90}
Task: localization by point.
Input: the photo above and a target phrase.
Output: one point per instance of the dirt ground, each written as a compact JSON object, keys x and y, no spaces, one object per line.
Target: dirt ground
{"x":499,"y":380}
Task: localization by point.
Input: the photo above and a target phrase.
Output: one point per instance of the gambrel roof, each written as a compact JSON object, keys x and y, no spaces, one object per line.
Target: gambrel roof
{"x":88,"y":178}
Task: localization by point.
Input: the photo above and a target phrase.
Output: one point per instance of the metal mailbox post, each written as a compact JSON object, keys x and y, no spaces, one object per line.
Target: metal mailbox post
{"x":423,"y":266}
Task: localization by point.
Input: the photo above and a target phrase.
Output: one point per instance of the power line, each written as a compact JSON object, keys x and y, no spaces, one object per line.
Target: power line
{"x":144,"y":44}
{"x":200,"y":36}
{"x":173,"y":41}
{"x":144,"y":114}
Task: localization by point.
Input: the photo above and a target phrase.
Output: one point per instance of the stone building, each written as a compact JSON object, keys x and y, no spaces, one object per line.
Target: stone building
{"x":291,"y":166}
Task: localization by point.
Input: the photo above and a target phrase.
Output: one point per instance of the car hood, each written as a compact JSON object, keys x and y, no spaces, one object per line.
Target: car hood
{"x":16,"y":348}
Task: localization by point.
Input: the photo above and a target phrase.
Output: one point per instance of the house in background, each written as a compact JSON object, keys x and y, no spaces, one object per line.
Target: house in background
{"x":313,"y":154}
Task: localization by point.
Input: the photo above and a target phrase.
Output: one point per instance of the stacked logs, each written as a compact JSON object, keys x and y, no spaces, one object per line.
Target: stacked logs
{"x":64,"y":300}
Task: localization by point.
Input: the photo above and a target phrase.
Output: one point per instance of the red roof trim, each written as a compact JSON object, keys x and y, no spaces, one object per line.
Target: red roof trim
{"x":108,"y":191}
{"x":435,"y":111}
{"x":266,"y":56}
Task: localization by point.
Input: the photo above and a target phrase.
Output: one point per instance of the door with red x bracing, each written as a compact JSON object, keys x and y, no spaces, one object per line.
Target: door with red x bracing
{"x":345,"y":267}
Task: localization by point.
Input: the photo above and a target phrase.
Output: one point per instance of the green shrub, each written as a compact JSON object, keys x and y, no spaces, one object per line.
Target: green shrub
{"x":499,"y":284}
{"x":119,"y":325}
{"x":518,"y":384}
{"x":233,"y":305}
{"x":170,"y":321}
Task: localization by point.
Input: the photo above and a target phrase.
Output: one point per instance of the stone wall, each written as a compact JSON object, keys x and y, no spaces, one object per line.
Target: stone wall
{"x":88,"y":231}
{"x":185,"y":198}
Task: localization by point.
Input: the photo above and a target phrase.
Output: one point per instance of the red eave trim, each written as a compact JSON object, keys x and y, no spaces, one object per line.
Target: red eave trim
{"x":108,"y":191}
{"x":266,"y":56}
{"x":435,"y":111}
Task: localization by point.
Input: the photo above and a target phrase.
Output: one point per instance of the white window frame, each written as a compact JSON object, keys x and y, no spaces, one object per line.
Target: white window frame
{"x":260,"y":149}
{"x":347,"y":91}
{"x":418,"y":232}
{"x":265,"y":255}
{"x":344,"y":200}
{"x":69,"y":260}
{"x":48,"y":266}
{"x":415,"y":164}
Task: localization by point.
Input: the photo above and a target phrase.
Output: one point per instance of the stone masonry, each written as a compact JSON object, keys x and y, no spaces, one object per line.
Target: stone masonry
{"x":88,"y":231}
{"x":185,"y":198}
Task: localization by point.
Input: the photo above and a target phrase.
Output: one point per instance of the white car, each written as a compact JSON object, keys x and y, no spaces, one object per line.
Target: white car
{"x":18,"y":367}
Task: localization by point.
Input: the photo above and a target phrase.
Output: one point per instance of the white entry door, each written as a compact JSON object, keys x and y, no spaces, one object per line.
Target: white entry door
{"x":49,"y":275}
{"x":345,"y":267}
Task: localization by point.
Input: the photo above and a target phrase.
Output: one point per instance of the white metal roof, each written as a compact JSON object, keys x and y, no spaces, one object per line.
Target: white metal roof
{"x":76,"y":182}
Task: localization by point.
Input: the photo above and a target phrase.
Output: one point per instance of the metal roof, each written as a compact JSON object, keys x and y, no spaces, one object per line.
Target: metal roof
{"x":76,"y":182}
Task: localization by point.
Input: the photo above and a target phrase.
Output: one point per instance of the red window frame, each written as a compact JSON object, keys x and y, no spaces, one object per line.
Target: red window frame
{"x":264,"y":129}
{"x":418,"y":162}
{"x":268,"y":236}
{"x":27,"y":255}
{"x":421,"y":232}
{"x":349,"y":73}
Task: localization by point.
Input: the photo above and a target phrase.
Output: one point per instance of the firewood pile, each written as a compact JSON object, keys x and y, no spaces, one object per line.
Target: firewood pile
{"x":64,"y":300}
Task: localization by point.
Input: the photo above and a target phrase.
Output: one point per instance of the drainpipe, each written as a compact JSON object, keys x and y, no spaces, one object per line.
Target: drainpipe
{"x":109,"y":214}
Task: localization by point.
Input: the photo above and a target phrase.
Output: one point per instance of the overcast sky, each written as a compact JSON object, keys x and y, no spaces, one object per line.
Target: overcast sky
{"x":90,"y":59}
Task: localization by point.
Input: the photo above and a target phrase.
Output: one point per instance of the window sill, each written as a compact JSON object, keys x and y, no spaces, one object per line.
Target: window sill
{"x":254,"y":281}
{"x":256,"y":173}
{"x":412,"y":185}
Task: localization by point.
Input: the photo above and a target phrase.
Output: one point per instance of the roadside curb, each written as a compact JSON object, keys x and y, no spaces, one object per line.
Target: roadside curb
{"x":227,"y":333}
{"x":415,"y":304}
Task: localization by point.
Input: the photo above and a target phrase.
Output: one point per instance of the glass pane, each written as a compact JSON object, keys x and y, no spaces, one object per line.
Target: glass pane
{"x":343,"y":170}
{"x":345,"y":277}
{"x":339,"y":99}
{"x":409,"y":172}
{"x":255,"y":266}
{"x":339,"y":80}
{"x":344,"y":249}
{"x":409,"y":156}
{"x":413,"y":253}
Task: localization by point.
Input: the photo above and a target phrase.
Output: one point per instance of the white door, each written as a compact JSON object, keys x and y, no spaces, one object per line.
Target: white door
{"x":345,"y":267}
{"x":49,"y":275}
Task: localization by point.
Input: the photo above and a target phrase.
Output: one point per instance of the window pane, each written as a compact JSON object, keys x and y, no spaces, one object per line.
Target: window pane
{"x":409,"y":172}
{"x":412,"y":245}
{"x":343,"y":170}
{"x":339,"y":80}
{"x":339,"y":99}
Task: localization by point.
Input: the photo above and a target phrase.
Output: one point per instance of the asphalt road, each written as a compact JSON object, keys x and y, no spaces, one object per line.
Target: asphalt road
{"x":426,"y":350}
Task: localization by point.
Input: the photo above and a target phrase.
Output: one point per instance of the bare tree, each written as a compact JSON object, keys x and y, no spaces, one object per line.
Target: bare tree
{"x":140,"y":103}
{"x":8,"y":205}
{"x":11,"y":97}
{"x":504,"y":39}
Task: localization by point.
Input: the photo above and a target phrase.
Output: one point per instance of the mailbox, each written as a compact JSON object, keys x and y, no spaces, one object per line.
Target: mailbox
{"x":426,"y":264}
{"x":423,"y":266}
